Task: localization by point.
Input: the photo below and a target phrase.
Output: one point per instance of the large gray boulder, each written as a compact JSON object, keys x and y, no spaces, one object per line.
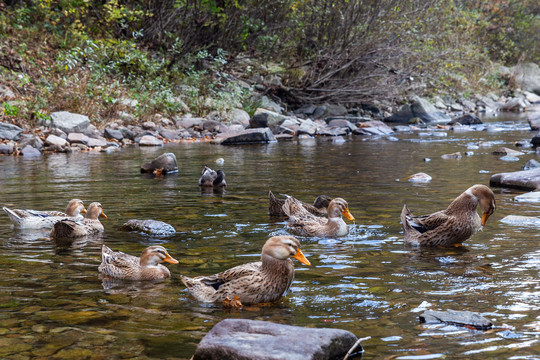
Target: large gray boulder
{"x":9,"y":131}
{"x":266,"y":118}
{"x":249,"y":136}
{"x":402,"y":116}
{"x":526,"y":179}
{"x":420,"y":108}
{"x":238,"y":339}
{"x":467,"y":119}
{"x":69,"y":122}
{"x":427,"y":112}
{"x":166,"y":162}
{"x":527,"y":77}
{"x":374,"y":127}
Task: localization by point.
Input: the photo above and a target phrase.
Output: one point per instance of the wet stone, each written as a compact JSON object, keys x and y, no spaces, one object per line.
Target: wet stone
{"x":455,"y":317}
{"x":113,"y":134}
{"x":150,"y":227}
{"x":166,"y":162}
{"x":251,"y":339}
{"x":456,"y":155}
{"x":77,"y":138}
{"x":6,"y":149}
{"x":507,"y":151}
{"x":149,"y":140}
{"x":467,"y":119}
{"x":519,"y":220}
{"x":526,"y":179}
{"x":93,"y":142}
{"x":30,"y":151}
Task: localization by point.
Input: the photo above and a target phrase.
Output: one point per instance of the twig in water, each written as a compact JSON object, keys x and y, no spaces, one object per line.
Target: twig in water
{"x":355,"y":346}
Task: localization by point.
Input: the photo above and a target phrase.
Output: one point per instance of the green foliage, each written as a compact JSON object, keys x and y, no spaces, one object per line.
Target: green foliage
{"x":10,"y":110}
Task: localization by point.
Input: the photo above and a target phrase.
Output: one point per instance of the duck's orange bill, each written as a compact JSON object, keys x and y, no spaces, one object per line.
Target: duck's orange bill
{"x":300,"y":257}
{"x":347,"y":214}
{"x":83,"y":210}
{"x":484,"y":218}
{"x":102,"y":214}
{"x":170,"y":259}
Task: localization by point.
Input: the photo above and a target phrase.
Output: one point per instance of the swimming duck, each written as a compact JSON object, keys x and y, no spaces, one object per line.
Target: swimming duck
{"x":33,"y":219}
{"x":119,"y":265}
{"x":452,"y":226}
{"x":211,"y":178}
{"x":307,"y":224}
{"x":67,"y":228}
{"x":257,"y":282}
{"x":275,"y":205}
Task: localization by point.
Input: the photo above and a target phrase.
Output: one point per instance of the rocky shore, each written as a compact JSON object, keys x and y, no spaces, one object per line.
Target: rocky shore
{"x":67,"y":132}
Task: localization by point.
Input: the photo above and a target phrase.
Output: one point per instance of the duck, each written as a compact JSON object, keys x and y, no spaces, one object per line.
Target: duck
{"x":304,"y":223}
{"x":452,"y":226}
{"x":211,"y":178}
{"x":68,"y":228}
{"x":319,"y":207}
{"x":263,"y":281}
{"x":34,"y":219}
{"x":118,"y":265}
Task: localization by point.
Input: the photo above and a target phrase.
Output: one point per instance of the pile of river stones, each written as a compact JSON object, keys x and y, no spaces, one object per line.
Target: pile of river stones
{"x":67,"y":132}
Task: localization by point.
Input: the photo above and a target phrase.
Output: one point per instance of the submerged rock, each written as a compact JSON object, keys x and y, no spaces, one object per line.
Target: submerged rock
{"x":526,"y":179}
{"x":419,"y":178}
{"x":531,"y":164}
{"x":150,"y":227}
{"x":456,"y":155}
{"x":455,"y":317}
{"x":237,"y":339}
{"x":518,"y":220}
{"x":165,"y":162}
{"x":507,"y":151}
{"x":533,"y":196}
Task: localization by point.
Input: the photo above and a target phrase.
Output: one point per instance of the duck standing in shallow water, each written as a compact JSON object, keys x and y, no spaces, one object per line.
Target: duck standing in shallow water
{"x":452,"y":226}
{"x":119,"y":265}
{"x":307,"y":224}
{"x":319,"y":207}
{"x":257,"y":282}
{"x":34,"y":219}
{"x":68,"y":228}
{"x":211,"y":178}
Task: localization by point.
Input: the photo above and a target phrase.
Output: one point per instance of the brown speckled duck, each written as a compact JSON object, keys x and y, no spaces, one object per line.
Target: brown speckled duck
{"x":34,"y":219}
{"x":119,"y":265}
{"x":452,"y":226}
{"x":319,"y":207}
{"x":307,"y":224}
{"x":68,"y":228}
{"x":211,"y":178}
{"x":257,"y":282}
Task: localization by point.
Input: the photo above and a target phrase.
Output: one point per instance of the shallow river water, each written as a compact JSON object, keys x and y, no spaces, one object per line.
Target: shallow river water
{"x":54,"y":305}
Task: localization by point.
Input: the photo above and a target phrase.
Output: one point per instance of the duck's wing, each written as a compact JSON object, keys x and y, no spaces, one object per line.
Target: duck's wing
{"x":300,"y":217}
{"x":429,"y":222}
{"x":117,"y":259}
{"x":437,"y":229}
{"x":275,"y":205}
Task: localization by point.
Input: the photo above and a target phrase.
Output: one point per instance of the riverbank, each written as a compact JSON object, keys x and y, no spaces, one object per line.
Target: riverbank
{"x":63,"y":131}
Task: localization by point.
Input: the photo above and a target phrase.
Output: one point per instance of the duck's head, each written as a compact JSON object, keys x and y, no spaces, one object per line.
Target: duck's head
{"x":284,"y":247}
{"x":75,"y":207}
{"x":486,"y":200}
{"x":95,"y":211}
{"x":339,"y":207}
{"x":322,"y":202}
{"x":154,"y":255}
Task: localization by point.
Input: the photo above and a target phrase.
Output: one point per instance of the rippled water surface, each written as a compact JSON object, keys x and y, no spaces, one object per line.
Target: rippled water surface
{"x":53,"y":303}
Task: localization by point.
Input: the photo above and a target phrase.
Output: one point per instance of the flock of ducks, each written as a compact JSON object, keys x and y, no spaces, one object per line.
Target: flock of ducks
{"x":269,"y":279}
